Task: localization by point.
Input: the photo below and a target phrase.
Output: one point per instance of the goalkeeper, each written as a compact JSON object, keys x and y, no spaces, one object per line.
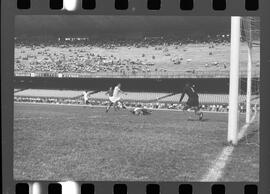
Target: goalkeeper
{"x":193,"y":100}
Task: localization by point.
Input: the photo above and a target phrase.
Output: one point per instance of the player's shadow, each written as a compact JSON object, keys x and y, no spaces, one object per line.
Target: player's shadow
{"x":204,"y":120}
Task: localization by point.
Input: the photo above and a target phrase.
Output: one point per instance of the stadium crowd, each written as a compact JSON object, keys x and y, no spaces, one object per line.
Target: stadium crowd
{"x":74,"y":55}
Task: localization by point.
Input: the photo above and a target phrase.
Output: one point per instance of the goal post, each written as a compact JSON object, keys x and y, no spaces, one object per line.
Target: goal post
{"x":243,"y":30}
{"x":234,"y":80}
{"x":249,"y":84}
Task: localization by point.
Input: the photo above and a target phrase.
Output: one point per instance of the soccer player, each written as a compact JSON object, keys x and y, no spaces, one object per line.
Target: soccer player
{"x":141,"y":111}
{"x":86,"y":97}
{"x":110,"y":93}
{"x":193,"y":100}
{"x":115,"y":98}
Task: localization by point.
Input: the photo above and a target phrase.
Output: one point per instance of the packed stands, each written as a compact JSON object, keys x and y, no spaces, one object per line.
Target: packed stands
{"x":127,"y":58}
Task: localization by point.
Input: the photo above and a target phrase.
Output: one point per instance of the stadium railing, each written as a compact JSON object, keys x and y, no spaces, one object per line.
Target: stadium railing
{"x":169,"y":74}
{"x":214,"y":107}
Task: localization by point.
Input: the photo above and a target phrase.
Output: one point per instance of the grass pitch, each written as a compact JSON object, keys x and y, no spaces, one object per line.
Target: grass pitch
{"x":56,"y":142}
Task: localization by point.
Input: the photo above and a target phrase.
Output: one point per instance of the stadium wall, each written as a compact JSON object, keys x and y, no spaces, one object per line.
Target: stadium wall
{"x":203,"y":85}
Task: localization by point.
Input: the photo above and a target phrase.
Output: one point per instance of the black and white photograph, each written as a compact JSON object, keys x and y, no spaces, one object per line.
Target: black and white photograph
{"x":136,"y":98}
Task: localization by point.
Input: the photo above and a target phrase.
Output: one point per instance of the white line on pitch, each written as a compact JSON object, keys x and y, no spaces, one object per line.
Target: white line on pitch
{"x":216,"y":171}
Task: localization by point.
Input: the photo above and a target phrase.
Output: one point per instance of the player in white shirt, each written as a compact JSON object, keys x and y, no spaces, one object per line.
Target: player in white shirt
{"x":86,"y":97}
{"x":115,"y":99}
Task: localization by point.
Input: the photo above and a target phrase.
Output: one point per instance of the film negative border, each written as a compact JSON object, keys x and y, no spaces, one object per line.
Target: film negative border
{"x":250,"y":5}
{"x":123,"y":188}
{"x":9,"y":10}
{"x":144,"y":7}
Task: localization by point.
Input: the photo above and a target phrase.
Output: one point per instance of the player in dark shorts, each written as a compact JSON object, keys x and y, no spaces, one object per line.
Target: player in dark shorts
{"x":193,"y":100}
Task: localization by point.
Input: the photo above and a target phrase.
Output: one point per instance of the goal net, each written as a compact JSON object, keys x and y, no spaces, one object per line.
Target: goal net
{"x":248,"y":83}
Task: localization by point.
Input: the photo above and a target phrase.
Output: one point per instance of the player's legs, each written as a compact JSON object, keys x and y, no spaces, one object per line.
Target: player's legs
{"x":198,"y":109}
{"x":85,"y":102}
{"x":186,"y":113}
{"x":194,"y":103}
{"x":140,"y":112}
{"x":122,"y":104}
{"x":109,"y":106}
{"x":119,"y":103}
{"x":115,"y":106}
{"x":198,"y":112}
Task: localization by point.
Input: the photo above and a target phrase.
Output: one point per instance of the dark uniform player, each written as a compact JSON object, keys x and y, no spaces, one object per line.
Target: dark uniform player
{"x":193,"y":100}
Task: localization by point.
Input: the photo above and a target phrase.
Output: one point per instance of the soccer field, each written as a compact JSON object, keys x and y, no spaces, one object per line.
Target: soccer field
{"x":58,"y":142}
